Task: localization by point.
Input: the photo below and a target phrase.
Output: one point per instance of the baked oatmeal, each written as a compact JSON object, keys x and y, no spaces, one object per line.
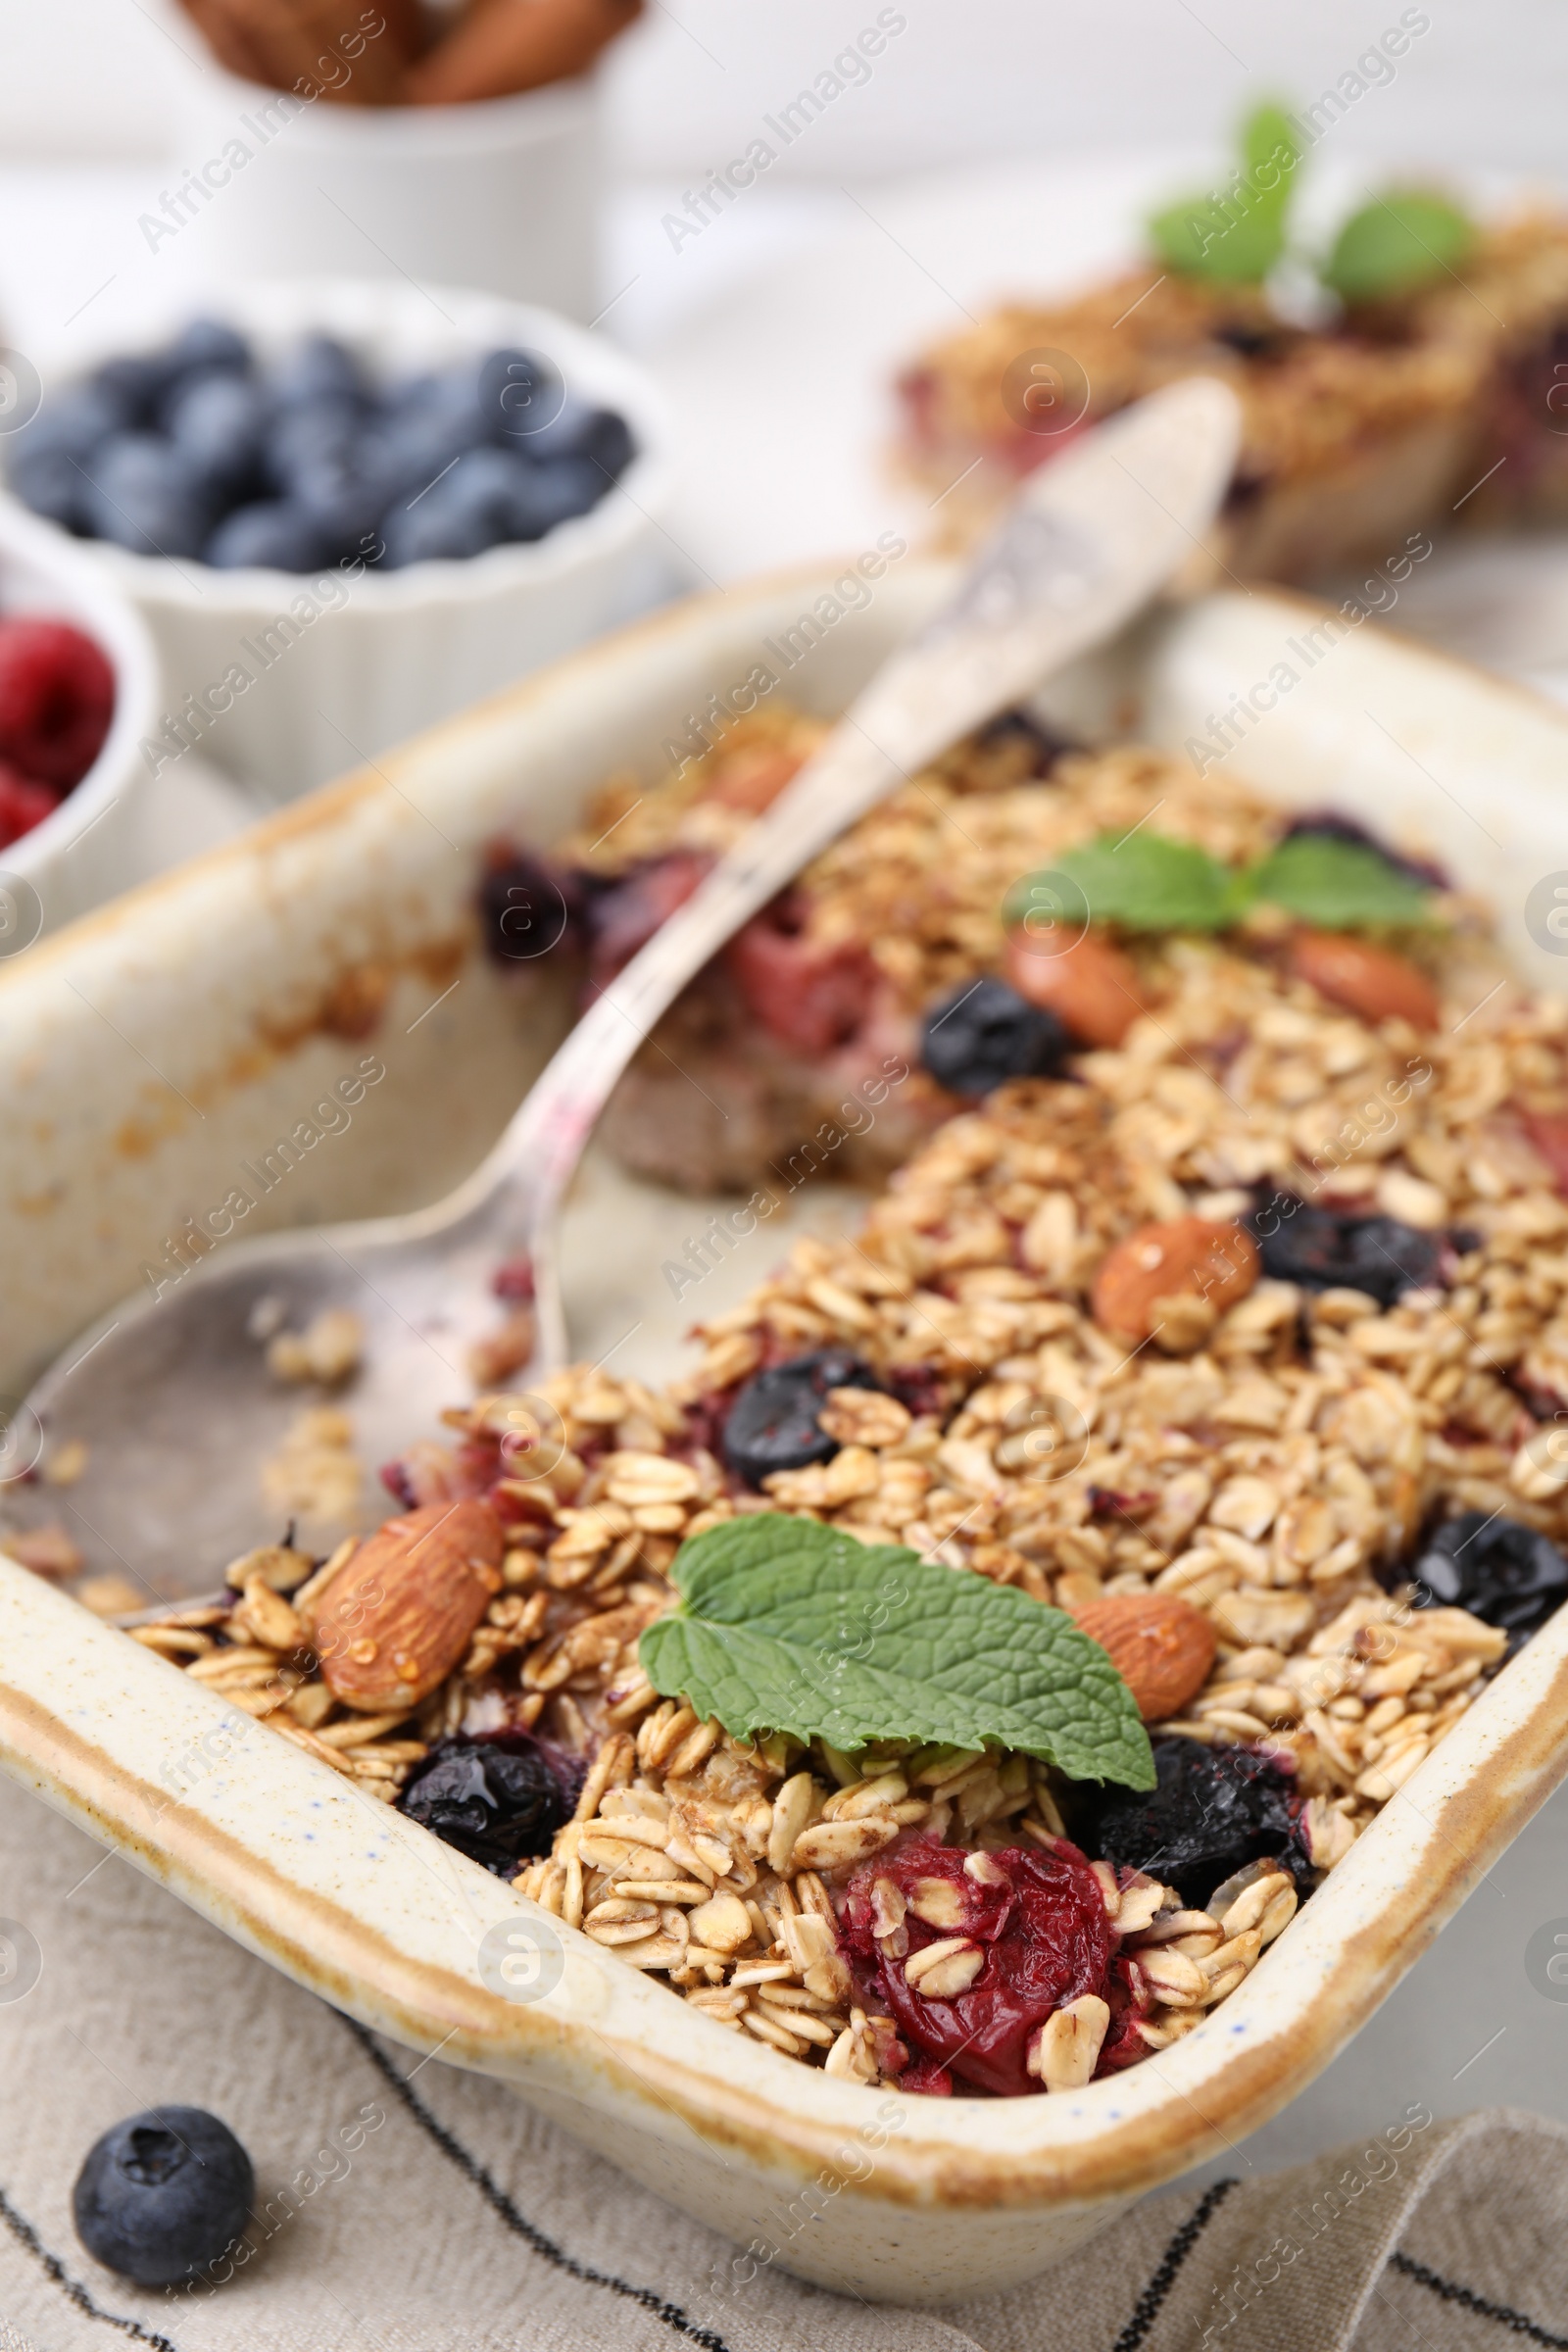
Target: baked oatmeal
{"x":1200,"y":1377}
{"x":1423,"y":372}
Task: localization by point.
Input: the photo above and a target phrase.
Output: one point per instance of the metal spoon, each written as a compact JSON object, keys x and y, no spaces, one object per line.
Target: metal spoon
{"x":173,"y":1398}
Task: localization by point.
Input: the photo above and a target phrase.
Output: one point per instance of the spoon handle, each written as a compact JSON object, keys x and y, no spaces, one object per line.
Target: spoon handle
{"x":1085,"y":542}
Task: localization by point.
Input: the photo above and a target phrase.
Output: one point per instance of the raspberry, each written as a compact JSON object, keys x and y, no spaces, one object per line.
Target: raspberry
{"x":23,"y":804}
{"x":1040,"y":1918}
{"x":57,"y":695}
{"x":808,"y":993}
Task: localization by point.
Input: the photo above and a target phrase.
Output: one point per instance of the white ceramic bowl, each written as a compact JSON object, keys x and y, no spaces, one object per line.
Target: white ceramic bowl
{"x":80,"y":855}
{"x":502,"y":194}
{"x":908,"y":2199}
{"x":401,"y":648}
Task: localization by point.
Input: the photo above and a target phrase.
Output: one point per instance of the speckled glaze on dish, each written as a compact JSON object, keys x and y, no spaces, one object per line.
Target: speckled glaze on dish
{"x":916,"y":2199}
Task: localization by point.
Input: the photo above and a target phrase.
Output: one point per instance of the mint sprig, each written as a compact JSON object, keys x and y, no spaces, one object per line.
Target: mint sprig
{"x":789,"y":1626}
{"x":1339,"y":885}
{"x":1234,"y":236}
{"x":1408,"y":238}
{"x":1145,"y":881}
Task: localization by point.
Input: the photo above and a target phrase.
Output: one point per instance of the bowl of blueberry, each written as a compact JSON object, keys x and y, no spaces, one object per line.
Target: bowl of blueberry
{"x":347,"y":510}
{"x":78,"y":681}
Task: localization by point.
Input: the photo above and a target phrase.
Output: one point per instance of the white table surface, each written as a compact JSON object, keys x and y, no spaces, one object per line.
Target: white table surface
{"x":1467,"y":2028}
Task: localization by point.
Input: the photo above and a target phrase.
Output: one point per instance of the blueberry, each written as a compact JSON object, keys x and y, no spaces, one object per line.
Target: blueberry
{"x":136,"y":384}
{"x":1020,"y":732}
{"x":548,"y":494}
{"x":76,"y":421}
{"x":318,"y":366}
{"x":525,"y":900}
{"x":1213,"y":1810}
{"x":985,"y":1033}
{"x":1321,"y":1251}
{"x":52,"y":483}
{"x":495,"y":1800}
{"x":599,"y":437}
{"x":207,"y":345}
{"x":414,"y":448}
{"x":142,"y":495}
{"x":311,"y":433}
{"x":216,"y":424}
{"x":163,"y":2195}
{"x":773,"y":1423}
{"x":481,"y":500}
{"x":1502,"y":1572}
{"x":271,"y":533}
{"x":520,"y":394}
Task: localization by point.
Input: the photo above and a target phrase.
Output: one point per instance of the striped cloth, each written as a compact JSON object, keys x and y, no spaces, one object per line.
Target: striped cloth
{"x":406,"y":2207}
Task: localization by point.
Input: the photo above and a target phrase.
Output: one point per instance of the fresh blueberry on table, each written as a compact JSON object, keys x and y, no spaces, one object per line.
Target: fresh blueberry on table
{"x":773,"y":1423}
{"x":985,"y":1033}
{"x":163,"y":2195}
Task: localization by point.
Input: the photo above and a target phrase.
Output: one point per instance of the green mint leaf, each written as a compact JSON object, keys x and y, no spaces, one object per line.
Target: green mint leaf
{"x":1339,"y":885}
{"x":1145,"y":881}
{"x":789,"y":1626}
{"x":1395,"y":243}
{"x":1233,"y":235}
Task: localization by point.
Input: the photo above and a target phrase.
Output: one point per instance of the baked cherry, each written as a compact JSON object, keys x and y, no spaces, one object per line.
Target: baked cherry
{"x":1038,"y":1921}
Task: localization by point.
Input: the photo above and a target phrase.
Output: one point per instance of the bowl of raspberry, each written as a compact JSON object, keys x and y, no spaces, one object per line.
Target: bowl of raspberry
{"x":349,"y":509}
{"x":78,"y":680}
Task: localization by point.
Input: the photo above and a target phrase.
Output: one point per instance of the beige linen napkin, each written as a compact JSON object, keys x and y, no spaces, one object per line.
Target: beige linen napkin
{"x":406,"y":2207}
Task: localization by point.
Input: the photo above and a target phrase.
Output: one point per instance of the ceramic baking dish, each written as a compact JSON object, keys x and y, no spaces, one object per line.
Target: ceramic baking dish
{"x":240,"y":984}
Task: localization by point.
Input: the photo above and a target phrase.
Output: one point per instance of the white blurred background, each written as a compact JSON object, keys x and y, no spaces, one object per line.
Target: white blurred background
{"x":88,"y":80}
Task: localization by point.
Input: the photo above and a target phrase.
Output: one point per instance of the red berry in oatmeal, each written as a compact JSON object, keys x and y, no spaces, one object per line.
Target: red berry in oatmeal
{"x":972,"y":1953}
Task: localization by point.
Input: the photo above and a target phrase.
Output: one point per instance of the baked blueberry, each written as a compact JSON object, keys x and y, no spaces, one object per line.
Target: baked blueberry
{"x":1321,"y":1251}
{"x":772,"y":1424}
{"x":1213,"y":1810}
{"x":495,"y":1800}
{"x":1506,"y":1574}
{"x":985,"y":1033}
{"x":163,"y":2195}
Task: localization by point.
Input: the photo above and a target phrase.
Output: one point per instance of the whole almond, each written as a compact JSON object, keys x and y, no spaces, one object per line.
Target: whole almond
{"x":1184,"y":1257}
{"x":399,"y":1617}
{"x":1371,"y":982}
{"x":1161,"y":1646}
{"x":1092,"y":986}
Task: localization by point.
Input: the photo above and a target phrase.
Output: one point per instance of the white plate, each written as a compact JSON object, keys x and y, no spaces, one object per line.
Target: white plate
{"x":786,"y":384}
